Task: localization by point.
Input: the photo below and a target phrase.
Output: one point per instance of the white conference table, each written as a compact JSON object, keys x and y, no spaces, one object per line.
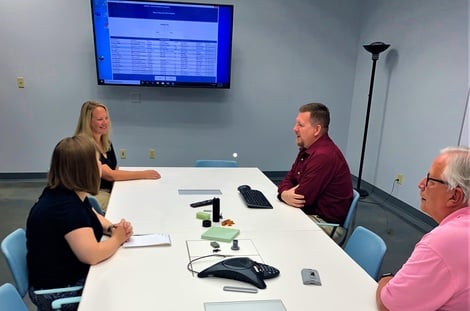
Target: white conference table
{"x":156,"y":278}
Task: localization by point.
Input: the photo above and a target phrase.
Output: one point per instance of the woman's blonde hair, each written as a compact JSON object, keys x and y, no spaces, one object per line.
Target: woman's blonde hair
{"x":74,"y":165}
{"x":84,"y":123}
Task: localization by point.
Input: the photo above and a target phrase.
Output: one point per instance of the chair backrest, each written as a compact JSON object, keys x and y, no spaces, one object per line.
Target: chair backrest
{"x":10,"y":299}
{"x":216,"y":163}
{"x":95,"y":204}
{"x":367,"y":249}
{"x":352,"y":210}
{"x":14,"y":249}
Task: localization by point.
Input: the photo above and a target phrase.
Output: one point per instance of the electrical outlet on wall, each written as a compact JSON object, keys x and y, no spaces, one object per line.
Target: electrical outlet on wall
{"x":122,"y":153}
{"x":399,"y":179}
{"x":152,"y":153}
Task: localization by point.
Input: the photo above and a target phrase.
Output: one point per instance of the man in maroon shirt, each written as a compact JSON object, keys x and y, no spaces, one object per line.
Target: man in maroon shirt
{"x":319,"y":181}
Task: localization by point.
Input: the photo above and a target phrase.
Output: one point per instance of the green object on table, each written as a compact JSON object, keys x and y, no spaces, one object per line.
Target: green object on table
{"x":203,"y":215}
{"x":220,"y":234}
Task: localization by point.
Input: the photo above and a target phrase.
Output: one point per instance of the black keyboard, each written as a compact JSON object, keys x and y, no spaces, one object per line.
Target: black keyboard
{"x":253,"y":198}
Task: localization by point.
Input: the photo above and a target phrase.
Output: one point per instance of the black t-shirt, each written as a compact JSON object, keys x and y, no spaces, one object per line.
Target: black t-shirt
{"x":51,"y":261}
{"x":111,"y":161}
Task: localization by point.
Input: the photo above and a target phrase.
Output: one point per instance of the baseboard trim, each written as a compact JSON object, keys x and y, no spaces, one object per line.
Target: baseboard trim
{"x":275,"y":176}
{"x":401,"y":209}
{"x":22,"y":176}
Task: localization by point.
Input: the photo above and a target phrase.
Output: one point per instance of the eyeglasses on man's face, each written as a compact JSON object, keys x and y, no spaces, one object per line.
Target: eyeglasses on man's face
{"x":435,"y":180}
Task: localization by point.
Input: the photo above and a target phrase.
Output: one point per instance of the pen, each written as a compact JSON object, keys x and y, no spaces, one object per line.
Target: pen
{"x":241,"y":289}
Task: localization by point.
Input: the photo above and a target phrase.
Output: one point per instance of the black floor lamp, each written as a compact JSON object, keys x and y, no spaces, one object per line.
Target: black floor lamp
{"x":375,"y":48}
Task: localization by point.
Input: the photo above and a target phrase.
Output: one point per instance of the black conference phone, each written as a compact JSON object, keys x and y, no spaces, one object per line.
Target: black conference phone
{"x":241,"y":269}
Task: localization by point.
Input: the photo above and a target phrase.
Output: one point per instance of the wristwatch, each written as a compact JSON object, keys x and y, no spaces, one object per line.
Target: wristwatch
{"x":387,"y":274}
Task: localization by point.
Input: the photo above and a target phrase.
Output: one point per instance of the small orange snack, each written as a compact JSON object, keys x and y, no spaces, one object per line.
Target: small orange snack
{"x":227,"y":222}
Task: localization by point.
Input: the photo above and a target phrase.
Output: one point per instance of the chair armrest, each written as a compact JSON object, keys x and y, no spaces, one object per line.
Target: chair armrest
{"x":57,"y":290}
{"x":57,"y":304}
{"x":327,"y":224}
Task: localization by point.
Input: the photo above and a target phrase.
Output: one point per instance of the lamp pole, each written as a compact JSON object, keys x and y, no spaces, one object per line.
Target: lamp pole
{"x":375,"y":48}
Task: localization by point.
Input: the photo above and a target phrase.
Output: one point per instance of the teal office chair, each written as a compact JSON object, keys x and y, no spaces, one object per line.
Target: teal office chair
{"x":216,"y":163}
{"x":367,"y":249}
{"x":14,"y":250}
{"x":10,"y":300}
{"x":345,"y":227}
{"x":95,"y":204}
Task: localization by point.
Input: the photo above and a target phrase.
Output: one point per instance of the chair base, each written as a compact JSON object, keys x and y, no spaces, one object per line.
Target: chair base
{"x":362,"y":193}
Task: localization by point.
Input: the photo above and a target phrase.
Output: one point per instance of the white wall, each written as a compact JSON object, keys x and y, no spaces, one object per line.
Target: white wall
{"x":464,"y":137}
{"x":285,"y":54}
{"x":465,"y":130}
{"x":419,"y":94}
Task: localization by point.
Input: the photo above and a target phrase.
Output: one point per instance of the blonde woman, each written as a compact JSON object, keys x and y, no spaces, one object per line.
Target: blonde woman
{"x":95,"y":123}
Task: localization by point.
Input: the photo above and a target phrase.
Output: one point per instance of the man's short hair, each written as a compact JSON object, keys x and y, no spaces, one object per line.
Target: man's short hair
{"x":457,"y":170}
{"x":319,"y":114}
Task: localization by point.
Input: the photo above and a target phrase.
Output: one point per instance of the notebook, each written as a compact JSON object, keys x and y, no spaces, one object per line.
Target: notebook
{"x":148,"y":240}
{"x":221,"y":234}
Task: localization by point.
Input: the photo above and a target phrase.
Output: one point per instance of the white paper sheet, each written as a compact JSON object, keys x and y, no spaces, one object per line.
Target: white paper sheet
{"x":148,"y":240}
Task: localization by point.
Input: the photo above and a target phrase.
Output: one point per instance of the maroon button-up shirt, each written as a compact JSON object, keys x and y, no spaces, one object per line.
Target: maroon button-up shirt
{"x":324,"y":179}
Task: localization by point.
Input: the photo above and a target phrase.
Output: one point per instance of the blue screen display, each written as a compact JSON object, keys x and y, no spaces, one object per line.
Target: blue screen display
{"x":166,"y":44}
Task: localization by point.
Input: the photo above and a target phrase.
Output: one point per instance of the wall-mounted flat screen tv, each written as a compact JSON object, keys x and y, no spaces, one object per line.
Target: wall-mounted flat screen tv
{"x":163,"y":44}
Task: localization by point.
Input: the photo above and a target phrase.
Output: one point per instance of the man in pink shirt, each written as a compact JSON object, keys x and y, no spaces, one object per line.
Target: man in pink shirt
{"x":437,"y":274}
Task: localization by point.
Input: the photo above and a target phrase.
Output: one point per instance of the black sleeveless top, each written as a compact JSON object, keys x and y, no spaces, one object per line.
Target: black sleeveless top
{"x":111,"y":161}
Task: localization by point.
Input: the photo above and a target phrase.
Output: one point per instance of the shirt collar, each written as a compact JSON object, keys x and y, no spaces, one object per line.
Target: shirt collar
{"x":465,"y":211}
{"x":319,"y":142}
